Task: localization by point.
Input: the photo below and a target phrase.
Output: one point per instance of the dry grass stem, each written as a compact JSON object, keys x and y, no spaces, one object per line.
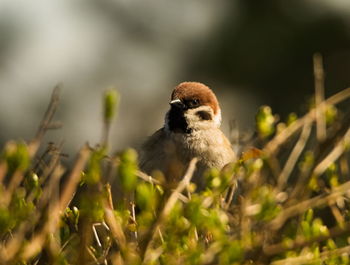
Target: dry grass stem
{"x":109,"y":196}
{"x":116,"y":229}
{"x":337,"y":214}
{"x":335,"y":153}
{"x":95,"y":234}
{"x":319,"y":97}
{"x":230,"y":195}
{"x":300,"y":242}
{"x":310,"y":258}
{"x":50,"y":112}
{"x":272,"y":146}
{"x":92,"y":255}
{"x":74,"y":178}
{"x":45,"y":123}
{"x":147,"y":178}
{"x":314,"y":202}
{"x":294,"y":156}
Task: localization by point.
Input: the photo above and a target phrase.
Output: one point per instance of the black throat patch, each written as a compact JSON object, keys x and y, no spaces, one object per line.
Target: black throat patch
{"x":177,"y":121}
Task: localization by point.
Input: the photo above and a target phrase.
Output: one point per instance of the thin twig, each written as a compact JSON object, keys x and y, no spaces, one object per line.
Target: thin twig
{"x":133,"y":216}
{"x":109,"y":196}
{"x":337,"y":214}
{"x":310,"y":257}
{"x":74,"y":178}
{"x":147,"y":178}
{"x":50,"y":111}
{"x":37,"y":242}
{"x":230,"y":195}
{"x":336,"y":152}
{"x":319,"y":97}
{"x":115,"y":228}
{"x":300,"y":242}
{"x":92,"y":255}
{"x":67,"y":242}
{"x":272,"y":146}
{"x":293,"y":157}
{"x":183,"y":198}
{"x":95,"y":234}
{"x":167,"y":209}
{"x":46,"y":120}
{"x":52,"y":182}
{"x":301,"y":207}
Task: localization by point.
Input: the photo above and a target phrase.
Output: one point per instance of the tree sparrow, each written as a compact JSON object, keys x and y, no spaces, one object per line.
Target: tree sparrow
{"x":191,"y":130}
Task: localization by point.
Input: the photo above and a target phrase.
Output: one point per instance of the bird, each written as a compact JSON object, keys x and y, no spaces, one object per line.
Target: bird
{"x":191,"y":129}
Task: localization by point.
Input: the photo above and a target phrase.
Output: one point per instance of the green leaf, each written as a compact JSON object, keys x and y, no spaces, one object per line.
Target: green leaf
{"x":16,"y":156}
{"x":265,"y":122}
{"x":127,"y":169}
{"x":111,"y":99}
{"x":93,"y":172}
{"x":146,"y":196}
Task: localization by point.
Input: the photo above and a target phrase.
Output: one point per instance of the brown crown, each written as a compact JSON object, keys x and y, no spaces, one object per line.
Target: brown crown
{"x":196,"y":90}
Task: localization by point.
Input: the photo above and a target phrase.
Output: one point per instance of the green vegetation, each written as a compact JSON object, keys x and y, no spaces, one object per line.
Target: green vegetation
{"x":284,"y":204}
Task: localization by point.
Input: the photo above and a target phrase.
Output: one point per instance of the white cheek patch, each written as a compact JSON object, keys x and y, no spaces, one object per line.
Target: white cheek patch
{"x":204,"y":115}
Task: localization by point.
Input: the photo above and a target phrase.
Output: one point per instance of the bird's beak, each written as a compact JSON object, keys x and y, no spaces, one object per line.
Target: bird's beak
{"x":177,"y":103}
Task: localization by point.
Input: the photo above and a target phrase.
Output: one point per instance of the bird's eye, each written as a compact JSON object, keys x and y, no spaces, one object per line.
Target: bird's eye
{"x":193,"y":103}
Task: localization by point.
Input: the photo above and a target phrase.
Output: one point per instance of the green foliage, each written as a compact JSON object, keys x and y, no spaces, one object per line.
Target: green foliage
{"x":94,"y":171}
{"x":292,"y":117}
{"x":248,"y":212}
{"x":6,"y":221}
{"x":127,"y":169}
{"x":265,"y":203}
{"x":265,"y":122}
{"x":312,"y":227}
{"x":111,"y":99}
{"x":16,"y":156}
{"x":146,"y":196}
{"x":331,"y":114}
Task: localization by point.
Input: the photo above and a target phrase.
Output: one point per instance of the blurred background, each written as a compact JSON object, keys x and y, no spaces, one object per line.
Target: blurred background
{"x":249,"y":52}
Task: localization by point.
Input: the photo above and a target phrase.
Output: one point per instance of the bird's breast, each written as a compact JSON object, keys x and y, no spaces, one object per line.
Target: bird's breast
{"x":211,"y":147}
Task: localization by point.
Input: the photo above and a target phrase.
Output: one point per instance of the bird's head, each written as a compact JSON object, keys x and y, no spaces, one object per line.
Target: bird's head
{"x":193,"y":106}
